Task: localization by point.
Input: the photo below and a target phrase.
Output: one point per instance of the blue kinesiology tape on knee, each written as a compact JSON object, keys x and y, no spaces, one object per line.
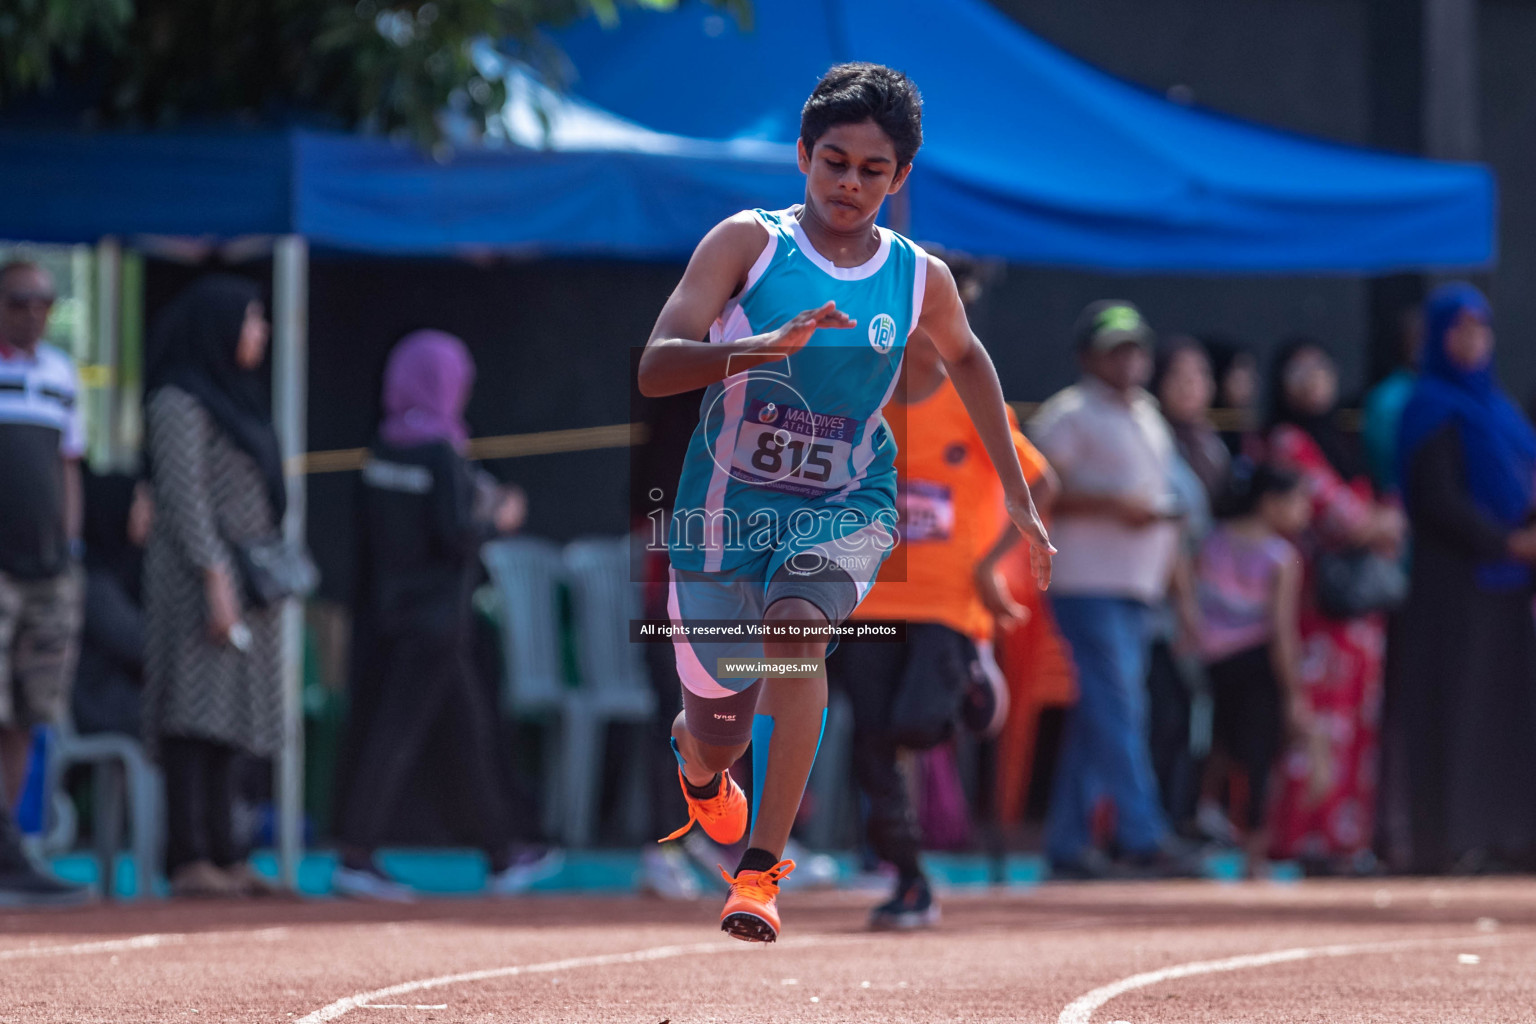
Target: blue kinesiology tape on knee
{"x":677,"y":753}
{"x":819,"y":737}
{"x":762,"y":737}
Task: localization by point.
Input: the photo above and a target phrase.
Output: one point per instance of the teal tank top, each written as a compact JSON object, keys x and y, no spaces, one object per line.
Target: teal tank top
{"x":806,"y":431}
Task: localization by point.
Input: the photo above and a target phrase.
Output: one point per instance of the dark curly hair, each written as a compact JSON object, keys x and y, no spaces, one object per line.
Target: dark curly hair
{"x":1252,"y":484}
{"x":857,"y":92}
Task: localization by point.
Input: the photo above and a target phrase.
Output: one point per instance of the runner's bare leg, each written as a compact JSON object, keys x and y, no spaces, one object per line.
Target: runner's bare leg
{"x":797,"y":707}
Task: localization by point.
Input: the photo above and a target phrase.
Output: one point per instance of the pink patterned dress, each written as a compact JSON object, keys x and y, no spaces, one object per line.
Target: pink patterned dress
{"x":1341,"y":674}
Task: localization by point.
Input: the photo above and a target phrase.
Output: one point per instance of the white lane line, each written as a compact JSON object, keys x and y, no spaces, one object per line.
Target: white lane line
{"x":150,"y":941}
{"x":1080,"y":1010}
{"x":105,"y":946}
{"x":365,"y":999}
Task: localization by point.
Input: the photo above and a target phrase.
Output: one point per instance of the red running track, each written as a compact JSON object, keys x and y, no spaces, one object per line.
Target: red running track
{"x":1338,"y":952}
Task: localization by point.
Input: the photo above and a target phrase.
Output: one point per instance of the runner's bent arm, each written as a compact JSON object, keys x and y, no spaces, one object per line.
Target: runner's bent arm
{"x":986,"y":576}
{"x":675,"y":360}
{"x":943,"y":321}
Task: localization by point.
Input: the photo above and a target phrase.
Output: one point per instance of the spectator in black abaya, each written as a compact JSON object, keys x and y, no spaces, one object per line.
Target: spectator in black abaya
{"x":423,"y":515}
{"x":1460,"y":786}
{"x":213,"y":669}
{"x":111,"y":671}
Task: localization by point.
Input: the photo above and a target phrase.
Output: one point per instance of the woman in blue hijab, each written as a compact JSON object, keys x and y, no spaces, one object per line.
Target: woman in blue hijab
{"x":1459,"y":785}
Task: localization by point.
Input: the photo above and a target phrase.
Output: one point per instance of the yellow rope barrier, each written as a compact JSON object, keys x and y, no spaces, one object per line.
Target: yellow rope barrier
{"x":506,"y":446}
{"x":627,"y":435}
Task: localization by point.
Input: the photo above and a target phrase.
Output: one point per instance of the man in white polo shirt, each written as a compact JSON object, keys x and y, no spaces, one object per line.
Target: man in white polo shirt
{"x":41,"y":442}
{"x":1116,"y":529}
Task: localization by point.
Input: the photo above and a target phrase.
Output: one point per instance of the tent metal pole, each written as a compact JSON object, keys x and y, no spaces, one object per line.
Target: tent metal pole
{"x":290,"y":369}
{"x":107,"y":354}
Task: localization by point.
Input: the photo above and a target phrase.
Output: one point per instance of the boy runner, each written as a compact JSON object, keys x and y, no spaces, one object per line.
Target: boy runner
{"x":786,"y":504}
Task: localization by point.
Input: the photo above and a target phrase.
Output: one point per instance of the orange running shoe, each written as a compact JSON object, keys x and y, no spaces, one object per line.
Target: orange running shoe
{"x":751,"y":913}
{"x":724,"y":815}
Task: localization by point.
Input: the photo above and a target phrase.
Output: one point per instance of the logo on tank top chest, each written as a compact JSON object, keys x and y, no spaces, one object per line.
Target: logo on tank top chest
{"x":882,"y":333}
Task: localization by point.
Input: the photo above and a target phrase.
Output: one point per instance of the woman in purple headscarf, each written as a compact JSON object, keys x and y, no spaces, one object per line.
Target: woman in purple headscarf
{"x":1459,"y":781}
{"x":427,"y":382}
{"x":424,"y":512}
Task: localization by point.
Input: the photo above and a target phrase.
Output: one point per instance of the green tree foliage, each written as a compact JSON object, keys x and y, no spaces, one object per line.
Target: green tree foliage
{"x":379,"y":65}
{"x":36,"y":35}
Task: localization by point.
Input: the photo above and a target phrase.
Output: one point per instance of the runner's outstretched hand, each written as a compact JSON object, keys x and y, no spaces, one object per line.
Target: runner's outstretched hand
{"x":1021,"y":510}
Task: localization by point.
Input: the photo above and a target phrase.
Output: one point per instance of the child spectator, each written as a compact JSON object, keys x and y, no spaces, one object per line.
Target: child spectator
{"x":1249,"y":585}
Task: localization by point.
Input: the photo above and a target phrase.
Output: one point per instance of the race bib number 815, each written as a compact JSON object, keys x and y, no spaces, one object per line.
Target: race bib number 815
{"x":792,"y":449}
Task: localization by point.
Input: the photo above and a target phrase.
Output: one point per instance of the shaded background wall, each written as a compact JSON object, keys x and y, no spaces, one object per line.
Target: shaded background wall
{"x":1348,"y":70}
{"x":1302,"y":65}
{"x":1508,"y":83}
{"x":553,"y":338}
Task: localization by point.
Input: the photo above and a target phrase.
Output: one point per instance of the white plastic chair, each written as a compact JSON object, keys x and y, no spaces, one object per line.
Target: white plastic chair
{"x":614,"y":685}
{"x":120,"y":765}
{"x":527,"y":574}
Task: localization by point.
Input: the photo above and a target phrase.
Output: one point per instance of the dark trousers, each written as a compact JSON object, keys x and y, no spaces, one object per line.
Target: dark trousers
{"x":200,"y":800}
{"x":902,"y":695}
{"x":1249,"y":722}
{"x":426,"y":686}
{"x":1169,"y":706}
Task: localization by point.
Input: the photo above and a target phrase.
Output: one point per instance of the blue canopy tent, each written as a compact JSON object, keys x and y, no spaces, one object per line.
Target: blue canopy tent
{"x":1033,"y":156}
